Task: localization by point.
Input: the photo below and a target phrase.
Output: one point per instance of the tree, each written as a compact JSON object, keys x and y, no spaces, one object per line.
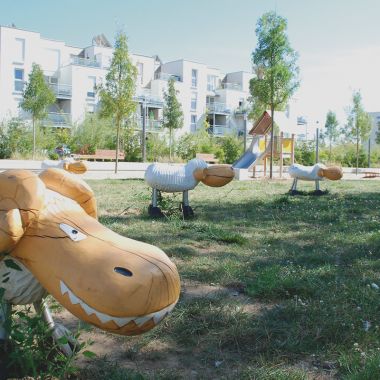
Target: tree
{"x":172,"y":113}
{"x":275,"y":63}
{"x":37,"y":97}
{"x":358,"y":124}
{"x":331,"y":129}
{"x":378,"y":133}
{"x":116,"y":96}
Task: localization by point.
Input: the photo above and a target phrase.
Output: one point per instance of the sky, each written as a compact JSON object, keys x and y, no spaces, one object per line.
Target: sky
{"x":338,"y":41}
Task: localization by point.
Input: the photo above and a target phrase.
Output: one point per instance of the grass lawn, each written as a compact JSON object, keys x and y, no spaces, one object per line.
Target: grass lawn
{"x":274,"y":286}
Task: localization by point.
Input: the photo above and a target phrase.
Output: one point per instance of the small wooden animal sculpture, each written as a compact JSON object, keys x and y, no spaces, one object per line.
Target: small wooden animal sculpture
{"x":316,"y":173}
{"x":50,"y":232}
{"x":173,"y":178}
{"x":69,"y":164}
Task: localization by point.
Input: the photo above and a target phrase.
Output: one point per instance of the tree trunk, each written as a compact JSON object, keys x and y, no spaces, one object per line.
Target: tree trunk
{"x":271,"y":143}
{"x":170,"y":144}
{"x":357,"y":149}
{"x":34,"y":137}
{"x":330,"y":151}
{"x":117,"y":144}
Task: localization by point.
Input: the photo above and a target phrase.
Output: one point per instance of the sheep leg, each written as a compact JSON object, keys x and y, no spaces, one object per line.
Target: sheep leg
{"x":58,"y":330}
{"x":293,"y":189}
{"x":318,"y":191}
{"x":186,"y":209}
{"x":153,"y":210}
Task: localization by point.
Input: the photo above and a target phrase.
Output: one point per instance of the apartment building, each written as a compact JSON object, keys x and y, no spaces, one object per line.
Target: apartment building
{"x":206,"y":94}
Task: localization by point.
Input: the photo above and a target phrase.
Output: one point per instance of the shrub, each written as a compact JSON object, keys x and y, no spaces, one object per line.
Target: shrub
{"x":156,"y":147}
{"x":232,"y":148}
{"x":304,"y":153}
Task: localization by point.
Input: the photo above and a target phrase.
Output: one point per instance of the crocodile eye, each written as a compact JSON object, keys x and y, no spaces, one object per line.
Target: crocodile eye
{"x":72,"y":233}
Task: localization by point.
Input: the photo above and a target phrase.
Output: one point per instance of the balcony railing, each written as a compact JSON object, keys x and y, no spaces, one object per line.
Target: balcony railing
{"x":85,"y":62}
{"x":61,"y":90}
{"x":232,"y":86}
{"x":146,"y":97}
{"x":218,"y":108}
{"x":166,"y":76}
{"x":58,"y":119}
{"x":220,"y":130}
{"x":151,"y":125}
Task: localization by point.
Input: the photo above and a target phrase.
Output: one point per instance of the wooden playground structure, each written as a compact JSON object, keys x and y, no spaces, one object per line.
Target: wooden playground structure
{"x":283,"y":147}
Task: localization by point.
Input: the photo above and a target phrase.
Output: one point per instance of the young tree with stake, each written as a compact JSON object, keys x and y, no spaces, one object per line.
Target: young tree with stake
{"x":116,"y":96}
{"x":172,"y":113}
{"x":37,"y":97}
{"x":275,"y":61}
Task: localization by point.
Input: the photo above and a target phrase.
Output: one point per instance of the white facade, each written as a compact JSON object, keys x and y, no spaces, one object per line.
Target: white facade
{"x":72,"y":72}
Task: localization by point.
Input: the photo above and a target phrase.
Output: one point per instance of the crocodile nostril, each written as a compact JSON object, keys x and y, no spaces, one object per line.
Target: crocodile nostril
{"x":123,"y":271}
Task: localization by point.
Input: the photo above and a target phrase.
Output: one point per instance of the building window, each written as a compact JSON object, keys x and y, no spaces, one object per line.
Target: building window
{"x":193,"y":123}
{"x":19,"y":80}
{"x":19,"y":50}
{"x":140,"y":72}
{"x":211,"y":82}
{"x":194,"y":78}
{"x":193,"y":106}
{"x":91,"y":87}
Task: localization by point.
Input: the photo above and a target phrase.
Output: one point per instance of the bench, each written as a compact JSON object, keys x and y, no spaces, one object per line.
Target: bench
{"x":101,"y":155}
{"x":207,"y":157}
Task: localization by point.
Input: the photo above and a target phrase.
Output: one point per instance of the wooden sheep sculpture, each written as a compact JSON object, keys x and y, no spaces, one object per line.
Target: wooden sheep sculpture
{"x":51,"y":242}
{"x":69,"y":164}
{"x":316,"y":173}
{"x":171,"y":178}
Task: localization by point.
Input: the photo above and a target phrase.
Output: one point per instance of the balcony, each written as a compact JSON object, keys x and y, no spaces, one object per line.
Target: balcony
{"x":166,"y":76}
{"x":145,"y":97}
{"x":232,"y":86}
{"x":220,"y":130}
{"x":85,"y":62}
{"x":57,"y":119}
{"x":219,"y":108}
{"x":151,"y":125}
{"x":62,"y":91}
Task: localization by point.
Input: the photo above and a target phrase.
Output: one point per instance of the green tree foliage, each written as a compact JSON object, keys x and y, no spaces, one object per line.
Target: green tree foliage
{"x":37,"y":97}
{"x":93,"y":133}
{"x":172,"y":113}
{"x":275,"y":61}
{"x":358,"y":124}
{"x":232,"y":148}
{"x":117,"y":93}
{"x":304,"y":153}
{"x":378,"y":133}
{"x":331,"y":129}
{"x":132,"y":146}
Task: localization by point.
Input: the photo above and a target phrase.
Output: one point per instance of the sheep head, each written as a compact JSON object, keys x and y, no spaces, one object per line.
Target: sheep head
{"x":215,"y":175}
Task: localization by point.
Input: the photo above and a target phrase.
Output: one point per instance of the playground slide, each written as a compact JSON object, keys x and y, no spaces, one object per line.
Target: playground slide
{"x":250,"y":157}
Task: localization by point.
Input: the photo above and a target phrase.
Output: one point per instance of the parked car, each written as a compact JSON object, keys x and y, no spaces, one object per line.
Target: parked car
{"x":62,"y":150}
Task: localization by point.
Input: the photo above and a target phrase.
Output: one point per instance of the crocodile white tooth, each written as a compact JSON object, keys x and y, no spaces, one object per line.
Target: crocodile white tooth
{"x":64,"y":288}
{"x":73,"y":298}
{"x":141,"y":320}
{"x":159,"y":315}
{"x":89,"y":310}
{"x":122,"y":321}
{"x":104,"y":318}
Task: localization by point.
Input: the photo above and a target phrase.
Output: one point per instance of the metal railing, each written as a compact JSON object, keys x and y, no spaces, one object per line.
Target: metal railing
{"x":85,"y":62}
{"x":166,"y":76}
{"x":220,"y":130}
{"x":58,"y":119}
{"x":218,"y":108}
{"x":151,"y":125}
{"x":146,"y":97}
{"x":61,"y":90}
{"x":232,"y":86}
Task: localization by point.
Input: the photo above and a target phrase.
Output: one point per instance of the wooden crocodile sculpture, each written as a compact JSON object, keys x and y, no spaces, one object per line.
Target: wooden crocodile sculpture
{"x":50,"y":233}
{"x":316,"y":173}
{"x":173,"y":178}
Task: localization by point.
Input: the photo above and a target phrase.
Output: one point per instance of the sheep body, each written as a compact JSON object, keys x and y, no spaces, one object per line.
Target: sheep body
{"x":173,"y":178}
{"x":306,"y":173}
